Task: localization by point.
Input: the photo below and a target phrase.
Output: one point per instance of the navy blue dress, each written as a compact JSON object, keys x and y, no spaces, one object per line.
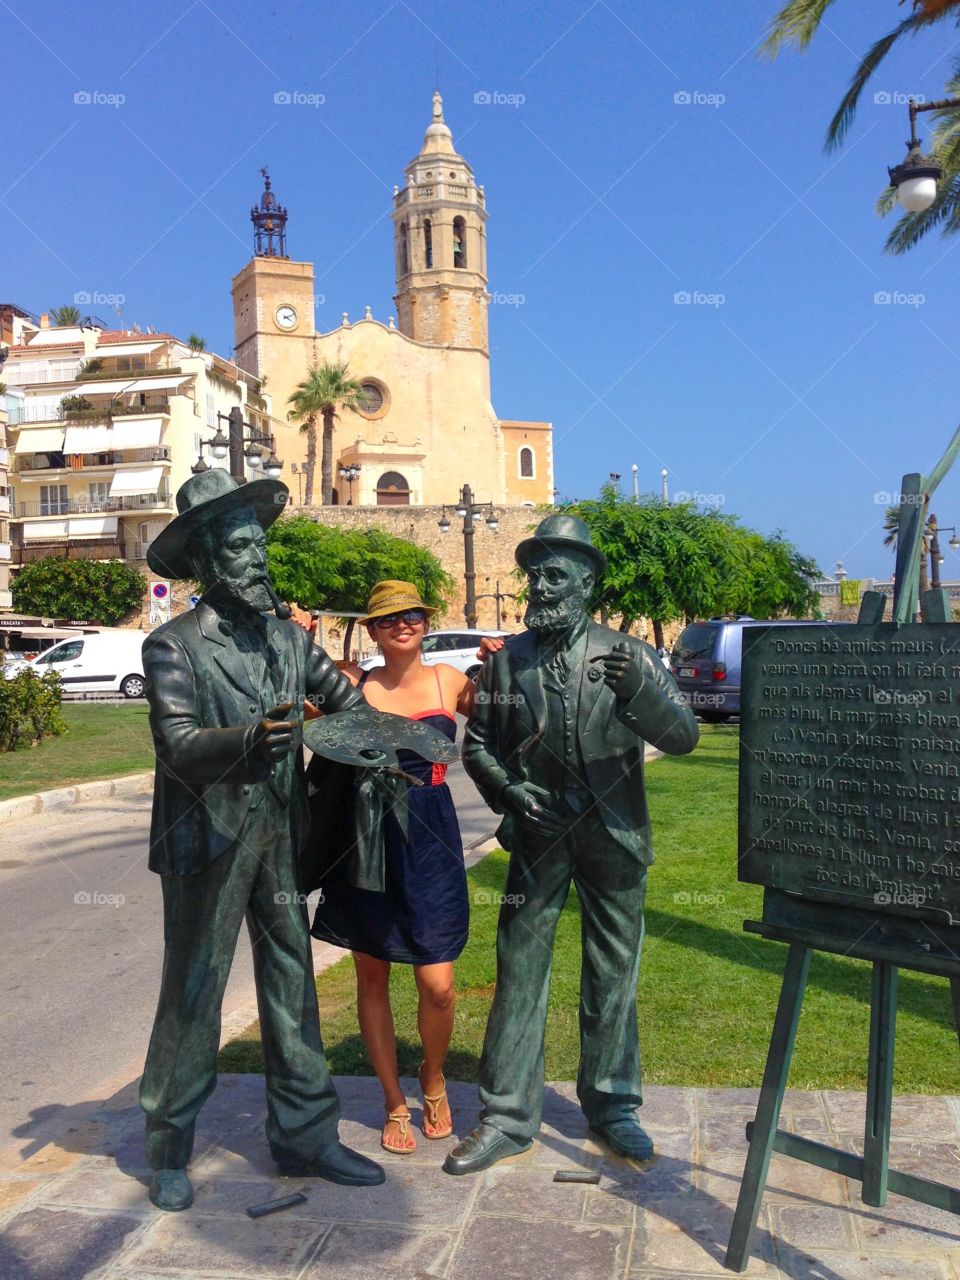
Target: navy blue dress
{"x":424,"y":914}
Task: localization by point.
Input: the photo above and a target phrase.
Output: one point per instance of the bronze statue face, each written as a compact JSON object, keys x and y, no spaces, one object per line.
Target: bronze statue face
{"x":559,"y":587}
{"x":231,"y":559}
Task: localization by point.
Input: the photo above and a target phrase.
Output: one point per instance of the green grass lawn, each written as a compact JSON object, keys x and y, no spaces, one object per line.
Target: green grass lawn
{"x":102,"y":741}
{"x":708,"y":991}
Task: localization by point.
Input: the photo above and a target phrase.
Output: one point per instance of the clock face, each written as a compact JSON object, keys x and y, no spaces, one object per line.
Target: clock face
{"x":286,"y":317}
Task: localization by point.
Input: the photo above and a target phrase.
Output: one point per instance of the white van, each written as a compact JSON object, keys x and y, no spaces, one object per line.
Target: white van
{"x":105,"y":662}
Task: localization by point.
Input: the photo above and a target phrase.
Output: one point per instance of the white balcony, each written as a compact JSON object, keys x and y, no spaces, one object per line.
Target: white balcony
{"x":4,"y":550}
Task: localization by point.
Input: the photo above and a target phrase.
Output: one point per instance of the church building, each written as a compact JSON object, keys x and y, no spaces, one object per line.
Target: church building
{"x":426,"y":424}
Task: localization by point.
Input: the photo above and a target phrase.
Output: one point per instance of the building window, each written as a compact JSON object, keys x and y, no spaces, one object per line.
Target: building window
{"x":404,"y":251}
{"x":427,"y":243}
{"x":372,"y":398}
{"x":393,"y":490}
{"x":211,"y":410}
{"x":459,"y":242}
{"x":526,"y":464}
{"x":98,"y":492}
{"x":53,"y":500}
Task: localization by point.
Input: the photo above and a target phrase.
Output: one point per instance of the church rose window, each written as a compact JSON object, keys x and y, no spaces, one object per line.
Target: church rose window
{"x":370,"y":399}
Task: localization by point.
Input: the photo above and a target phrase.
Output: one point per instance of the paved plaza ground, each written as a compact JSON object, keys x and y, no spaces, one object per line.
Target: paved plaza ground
{"x":78,"y":1207}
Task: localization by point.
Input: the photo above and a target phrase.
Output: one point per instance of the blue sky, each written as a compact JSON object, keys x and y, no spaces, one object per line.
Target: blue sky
{"x":629,"y":153}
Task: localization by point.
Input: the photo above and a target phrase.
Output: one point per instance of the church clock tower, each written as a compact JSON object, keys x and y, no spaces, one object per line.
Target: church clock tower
{"x":273,"y":312}
{"x":439,"y":220}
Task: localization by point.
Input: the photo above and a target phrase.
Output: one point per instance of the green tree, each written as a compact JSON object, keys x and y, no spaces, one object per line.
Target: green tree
{"x":65,"y":315}
{"x":196,"y":343}
{"x":335,"y":569}
{"x":671,"y":561}
{"x":326,"y":389}
{"x":798,"y":22}
{"x":101,"y":591}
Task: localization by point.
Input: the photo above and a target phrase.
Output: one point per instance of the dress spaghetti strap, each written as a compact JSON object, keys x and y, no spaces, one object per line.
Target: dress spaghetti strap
{"x":436,"y":672}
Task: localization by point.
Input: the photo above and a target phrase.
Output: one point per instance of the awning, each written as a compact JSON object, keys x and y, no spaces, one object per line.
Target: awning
{"x":146,"y":480}
{"x":98,"y":387}
{"x":91,"y":526}
{"x":94,"y":439}
{"x":139,"y":433}
{"x":111,"y":350}
{"x":40,"y":440}
{"x":38,"y":530}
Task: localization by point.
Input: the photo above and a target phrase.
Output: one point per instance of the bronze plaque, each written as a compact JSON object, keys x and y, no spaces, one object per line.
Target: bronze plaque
{"x":850,"y":765}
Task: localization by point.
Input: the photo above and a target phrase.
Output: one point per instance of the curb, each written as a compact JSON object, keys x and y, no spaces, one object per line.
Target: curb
{"x":64,"y":797}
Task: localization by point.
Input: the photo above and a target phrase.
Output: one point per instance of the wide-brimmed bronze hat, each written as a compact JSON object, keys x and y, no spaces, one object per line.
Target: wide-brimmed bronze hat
{"x":213,"y":492}
{"x":393,"y":596}
{"x":562,"y":533}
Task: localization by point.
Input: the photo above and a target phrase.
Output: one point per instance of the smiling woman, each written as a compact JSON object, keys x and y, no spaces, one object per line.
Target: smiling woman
{"x":422,"y":917}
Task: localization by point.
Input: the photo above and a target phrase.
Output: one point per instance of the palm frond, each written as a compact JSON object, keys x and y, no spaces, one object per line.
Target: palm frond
{"x":796,"y":23}
{"x":843,"y":118}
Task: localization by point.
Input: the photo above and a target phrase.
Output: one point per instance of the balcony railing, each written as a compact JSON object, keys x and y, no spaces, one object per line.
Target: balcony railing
{"x":15,"y":377}
{"x":147,"y":371}
{"x":82,"y":506}
{"x":86,"y":550}
{"x":110,"y":458}
{"x":99,"y":413}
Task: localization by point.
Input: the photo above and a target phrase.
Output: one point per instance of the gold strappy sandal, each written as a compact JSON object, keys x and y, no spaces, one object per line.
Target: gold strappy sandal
{"x":402,"y":1120}
{"x":431,"y":1106}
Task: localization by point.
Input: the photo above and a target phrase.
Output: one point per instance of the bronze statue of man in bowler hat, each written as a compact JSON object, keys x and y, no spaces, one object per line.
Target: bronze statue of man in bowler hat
{"x":555,"y":744}
{"x":225,"y":684}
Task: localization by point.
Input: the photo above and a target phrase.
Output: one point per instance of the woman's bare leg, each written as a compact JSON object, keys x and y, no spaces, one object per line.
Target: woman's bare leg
{"x":435,"y":1023}
{"x":379,"y":1037}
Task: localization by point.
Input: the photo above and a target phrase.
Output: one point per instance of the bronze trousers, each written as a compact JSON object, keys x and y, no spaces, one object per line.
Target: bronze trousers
{"x":611,"y":884}
{"x":202,"y":917}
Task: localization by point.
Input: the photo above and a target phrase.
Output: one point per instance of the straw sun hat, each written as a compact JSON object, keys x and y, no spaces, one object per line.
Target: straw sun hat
{"x":393,"y":597}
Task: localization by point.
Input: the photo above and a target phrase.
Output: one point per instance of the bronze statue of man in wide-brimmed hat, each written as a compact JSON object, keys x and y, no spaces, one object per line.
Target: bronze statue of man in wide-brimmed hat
{"x":555,"y":744}
{"x":226,"y":685}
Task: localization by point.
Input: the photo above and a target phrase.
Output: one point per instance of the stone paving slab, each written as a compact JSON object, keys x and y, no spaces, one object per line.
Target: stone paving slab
{"x":78,"y":1208}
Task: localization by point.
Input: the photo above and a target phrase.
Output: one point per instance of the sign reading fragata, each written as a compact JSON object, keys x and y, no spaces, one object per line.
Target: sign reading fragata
{"x":850,"y":765}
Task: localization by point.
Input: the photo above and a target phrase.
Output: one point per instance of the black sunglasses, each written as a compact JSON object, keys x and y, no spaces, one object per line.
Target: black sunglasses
{"x":409,"y":616}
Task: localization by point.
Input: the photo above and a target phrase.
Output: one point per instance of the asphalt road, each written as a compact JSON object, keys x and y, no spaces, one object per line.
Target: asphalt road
{"x":80,"y":915}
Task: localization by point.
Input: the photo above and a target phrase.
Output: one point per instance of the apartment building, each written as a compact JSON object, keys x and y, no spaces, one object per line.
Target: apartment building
{"x":6,"y":600}
{"x":107,"y":428}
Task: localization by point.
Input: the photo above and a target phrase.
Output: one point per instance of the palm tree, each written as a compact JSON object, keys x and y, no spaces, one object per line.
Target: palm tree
{"x":797,"y":23}
{"x":196,"y":343}
{"x":326,"y":389}
{"x":65,"y":315}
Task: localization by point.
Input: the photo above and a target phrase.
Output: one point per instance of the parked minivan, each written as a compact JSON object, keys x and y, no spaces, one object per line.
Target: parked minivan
{"x":107,"y":661}
{"x":706,"y":661}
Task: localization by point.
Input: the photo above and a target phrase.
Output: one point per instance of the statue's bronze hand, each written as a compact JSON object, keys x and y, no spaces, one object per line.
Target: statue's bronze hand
{"x":621,"y":671}
{"x":525,"y":801}
{"x":274,"y":736}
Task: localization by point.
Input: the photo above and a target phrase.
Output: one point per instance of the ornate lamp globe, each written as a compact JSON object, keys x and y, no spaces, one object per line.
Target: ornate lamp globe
{"x":916,"y":179}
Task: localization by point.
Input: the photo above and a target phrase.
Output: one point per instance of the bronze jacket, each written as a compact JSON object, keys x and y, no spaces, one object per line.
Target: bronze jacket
{"x":506,"y":727}
{"x":203,"y":707}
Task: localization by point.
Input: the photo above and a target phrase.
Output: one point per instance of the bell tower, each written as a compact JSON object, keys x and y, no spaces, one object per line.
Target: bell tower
{"x":439,"y":220}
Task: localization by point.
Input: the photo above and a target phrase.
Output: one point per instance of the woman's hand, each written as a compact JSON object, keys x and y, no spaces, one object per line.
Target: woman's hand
{"x":489,"y":644}
{"x":302,"y":618}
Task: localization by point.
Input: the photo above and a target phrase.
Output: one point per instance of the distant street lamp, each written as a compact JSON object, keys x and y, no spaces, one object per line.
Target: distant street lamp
{"x":916,"y":177}
{"x":350,"y":473}
{"x":466,"y":508}
{"x":936,"y":559}
{"x":498,"y":595}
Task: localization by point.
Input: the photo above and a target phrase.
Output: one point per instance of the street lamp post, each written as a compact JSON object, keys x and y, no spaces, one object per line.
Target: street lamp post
{"x":916,"y":177}
{"x":936,"y":559}
{"x":497,"y":596}
{"x":240,"y":446}
{"x":350,"y":473}
{"x":467,"y":509}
